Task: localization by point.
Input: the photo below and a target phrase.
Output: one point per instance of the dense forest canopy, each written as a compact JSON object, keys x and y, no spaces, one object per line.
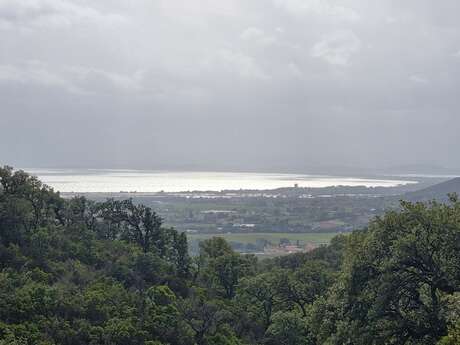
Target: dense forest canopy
{"x":78,"y":272}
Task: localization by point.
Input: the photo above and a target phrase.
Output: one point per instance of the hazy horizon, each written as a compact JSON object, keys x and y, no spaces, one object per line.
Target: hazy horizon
{"x":325,"y":170}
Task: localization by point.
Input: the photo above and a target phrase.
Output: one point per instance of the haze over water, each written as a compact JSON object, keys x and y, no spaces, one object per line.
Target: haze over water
{"x":84,"y":181}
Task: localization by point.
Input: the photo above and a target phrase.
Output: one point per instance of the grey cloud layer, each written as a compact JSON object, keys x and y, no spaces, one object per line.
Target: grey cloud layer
{"x":268,"y":85}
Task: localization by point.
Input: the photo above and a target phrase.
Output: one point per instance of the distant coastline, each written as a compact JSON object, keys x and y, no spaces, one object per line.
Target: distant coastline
{"x":144,"y":181}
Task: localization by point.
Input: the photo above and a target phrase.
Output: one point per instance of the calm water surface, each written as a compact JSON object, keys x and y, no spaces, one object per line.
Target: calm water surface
{"x":155,"y":181}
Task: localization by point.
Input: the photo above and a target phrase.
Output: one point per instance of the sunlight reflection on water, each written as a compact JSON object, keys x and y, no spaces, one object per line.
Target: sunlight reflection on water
{"x":154,"y":181}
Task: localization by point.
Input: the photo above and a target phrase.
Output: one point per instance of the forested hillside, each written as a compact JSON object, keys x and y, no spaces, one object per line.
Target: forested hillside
{"x":77,"y":272}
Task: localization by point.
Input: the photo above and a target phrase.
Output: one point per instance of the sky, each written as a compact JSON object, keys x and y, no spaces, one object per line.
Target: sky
{"x":255,"y":85}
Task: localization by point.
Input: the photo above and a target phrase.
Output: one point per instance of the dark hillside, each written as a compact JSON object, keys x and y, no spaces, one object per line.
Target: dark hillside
{"x":437,"y":192}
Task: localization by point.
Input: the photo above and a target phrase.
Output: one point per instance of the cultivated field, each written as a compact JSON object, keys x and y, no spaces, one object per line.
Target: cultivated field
{"x":319,"y":238}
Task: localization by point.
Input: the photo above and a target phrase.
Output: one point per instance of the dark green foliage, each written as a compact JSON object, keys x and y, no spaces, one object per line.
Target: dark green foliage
{"x":301,"y":287}
{"x":78,"y":272}
{"x":396,"y":279}
{"x":288,"y":328}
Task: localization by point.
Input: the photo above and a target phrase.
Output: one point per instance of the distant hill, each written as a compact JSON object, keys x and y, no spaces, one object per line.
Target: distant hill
{"x":420,"y":169}
{"x":438,"y":191}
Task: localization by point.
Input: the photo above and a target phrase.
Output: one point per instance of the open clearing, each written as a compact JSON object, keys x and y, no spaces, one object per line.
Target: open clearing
{"x":317,"y":238}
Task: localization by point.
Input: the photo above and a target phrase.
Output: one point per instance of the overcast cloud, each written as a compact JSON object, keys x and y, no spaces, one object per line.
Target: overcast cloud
{"x":235,"y":84}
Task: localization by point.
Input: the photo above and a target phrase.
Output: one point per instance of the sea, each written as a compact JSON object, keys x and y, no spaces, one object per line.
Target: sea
{"x":144,"y":181}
